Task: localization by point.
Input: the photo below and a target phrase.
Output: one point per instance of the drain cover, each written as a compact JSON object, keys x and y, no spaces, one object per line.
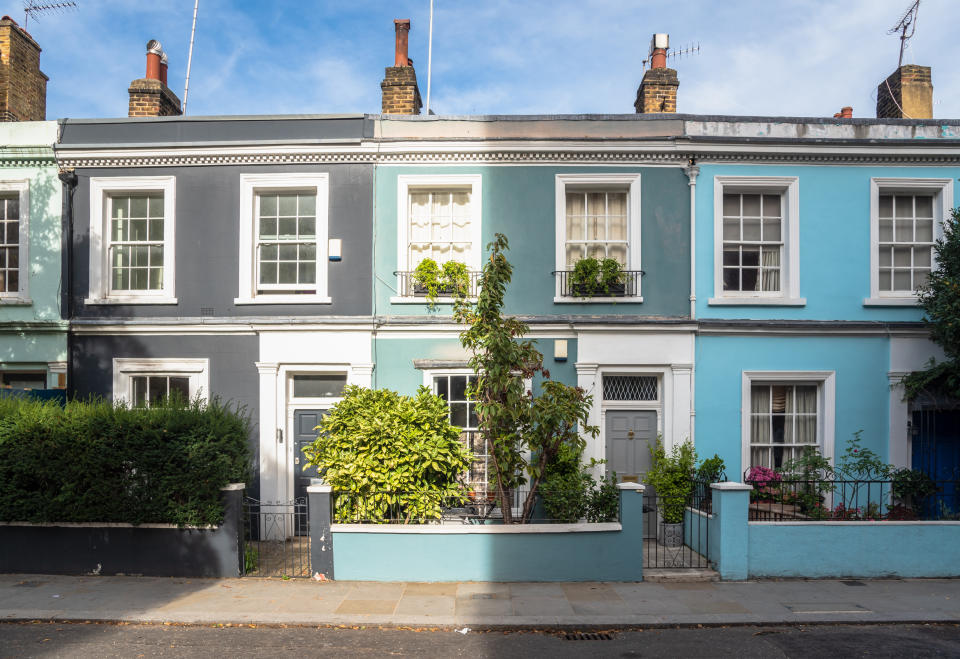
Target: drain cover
{"x":587,"y":636}
{"x":853,"y":582}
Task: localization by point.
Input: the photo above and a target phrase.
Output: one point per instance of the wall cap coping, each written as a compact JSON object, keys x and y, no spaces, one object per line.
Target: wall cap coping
{"x":110,"y":525}
{"x":319,"y":488}
{"x":229,"y":487}
{"x":731,"y":486}
{"x":637,"y":487}
{"x":477,"y":529}
{"x":859,"y":523}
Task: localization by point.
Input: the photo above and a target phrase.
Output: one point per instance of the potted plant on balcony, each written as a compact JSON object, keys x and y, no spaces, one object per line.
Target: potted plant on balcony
{"x":671,"y":477}
{"x":592,"y":276}
{"x":433,"y":281}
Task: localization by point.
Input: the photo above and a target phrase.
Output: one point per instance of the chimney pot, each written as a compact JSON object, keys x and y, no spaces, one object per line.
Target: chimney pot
{"x":659,"y":44}
{"x":154,"y":54}
{"x":402,"y":27}
{"x":163,"y":69}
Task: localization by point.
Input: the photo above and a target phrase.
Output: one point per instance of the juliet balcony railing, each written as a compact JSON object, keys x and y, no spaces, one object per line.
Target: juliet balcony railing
{"x":629,"y":287}
{"x":409,"y":287}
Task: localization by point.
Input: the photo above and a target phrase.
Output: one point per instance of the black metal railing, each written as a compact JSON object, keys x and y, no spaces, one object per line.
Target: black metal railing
{"x":628,"y":287}
{"x":676,"y":530}
{"x":836,"y":500}
{"x":276,"y":538}
{"x":408,"y":286}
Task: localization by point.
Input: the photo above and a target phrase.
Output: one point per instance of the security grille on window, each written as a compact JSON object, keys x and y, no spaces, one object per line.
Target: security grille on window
{"x":905,"y":241}
{"x":286,"y":245}
{"x":136,"y":243}
{"x":630,"y":387}
{"x":440,"y":226}
{"x":149,"y":390}
{"x":9,"y":244}
{"x":783,"y":421}
{"x":752,"y":242}
{"x":453,"y":389}
{"x":596,"y":226}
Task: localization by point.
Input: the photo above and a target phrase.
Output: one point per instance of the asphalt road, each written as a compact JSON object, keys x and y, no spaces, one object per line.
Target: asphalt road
{"x":76,"y":640}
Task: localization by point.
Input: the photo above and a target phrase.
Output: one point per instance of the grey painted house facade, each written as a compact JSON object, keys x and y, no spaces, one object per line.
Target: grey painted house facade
{"x":225,"y":257}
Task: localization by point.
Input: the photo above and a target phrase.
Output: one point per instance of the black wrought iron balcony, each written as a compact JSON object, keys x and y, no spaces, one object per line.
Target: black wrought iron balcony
{"x":409,"y":287}
{"x":628,"y":286}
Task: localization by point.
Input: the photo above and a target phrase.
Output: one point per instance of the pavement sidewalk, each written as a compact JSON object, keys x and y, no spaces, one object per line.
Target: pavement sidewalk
{"x":475,"y":605}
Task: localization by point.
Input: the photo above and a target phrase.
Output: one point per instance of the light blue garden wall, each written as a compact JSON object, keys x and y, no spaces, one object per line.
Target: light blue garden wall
{"x":520,"y":203}
{"x":854,"y":549}
{"x":862,"y":390}
{"x":834,"y":216}
{"x":483,"y":556}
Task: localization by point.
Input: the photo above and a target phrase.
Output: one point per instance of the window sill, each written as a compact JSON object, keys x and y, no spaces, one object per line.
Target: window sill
{"x":396,"y":299}
{"x":637,"y":299}
{"x":757,"y":302}
{"x":90,"y":301}
{"x":16,"y":301}
{"x":284,"y":299}
{"x":891,"y":302}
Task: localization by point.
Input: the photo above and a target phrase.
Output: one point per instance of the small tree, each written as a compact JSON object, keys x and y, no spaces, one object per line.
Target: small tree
{"x":389,"y":455}
{"x":512,"y":421}
{"x":940,"y":299}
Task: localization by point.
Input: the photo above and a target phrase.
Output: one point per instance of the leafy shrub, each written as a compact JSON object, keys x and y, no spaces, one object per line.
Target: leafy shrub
{"x":570,"y":493}
{"x":671,"y":476}
{"x":389,"y":455}
{"x":97,"y":462}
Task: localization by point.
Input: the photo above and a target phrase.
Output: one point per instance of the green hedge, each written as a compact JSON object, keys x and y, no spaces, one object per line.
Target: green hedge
{"x":97,"y":462}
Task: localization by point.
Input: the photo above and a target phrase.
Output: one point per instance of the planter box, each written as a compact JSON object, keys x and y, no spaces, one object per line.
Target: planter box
{"x":614,"y":290}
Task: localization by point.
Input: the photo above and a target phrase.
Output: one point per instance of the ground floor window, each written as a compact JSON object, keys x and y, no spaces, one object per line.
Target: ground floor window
{"x":146,"y":382}
{"x":453,"y":389}
{"x":23,"y":379}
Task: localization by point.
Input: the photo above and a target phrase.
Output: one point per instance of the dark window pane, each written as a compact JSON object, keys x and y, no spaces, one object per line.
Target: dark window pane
{"x":731,"y":279}
{"x":749,"y":279}
{"x":139,"y":390}
{"x":440,"y":383}
{"x":180,"y":387}
{"x":458,"y":387}
{"x":319,"y":386}
{"x":157,"y":389}
{"x":458,"y":414}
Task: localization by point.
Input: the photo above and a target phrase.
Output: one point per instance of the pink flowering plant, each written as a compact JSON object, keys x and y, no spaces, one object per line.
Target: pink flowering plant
{"x":765,"y":482}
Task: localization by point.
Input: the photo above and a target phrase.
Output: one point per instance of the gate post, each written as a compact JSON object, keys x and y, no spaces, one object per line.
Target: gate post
{"x":232,"y":527}
{"x":321,"y":539}
{"x":631,"y":523}
{"x":729,"y":546}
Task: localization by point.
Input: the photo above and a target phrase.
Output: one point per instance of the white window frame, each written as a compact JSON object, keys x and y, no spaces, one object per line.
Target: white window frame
{"x":124,"y":370}
{"x":606,"y":183}
{"x":942,"y":191}
{"x":250,"y":185}
{"x":101,"y":188}
{"x":826,"y":402}
{"x":789,"y":188}
{"x":411,"y":182}
{"x":22,"y":294}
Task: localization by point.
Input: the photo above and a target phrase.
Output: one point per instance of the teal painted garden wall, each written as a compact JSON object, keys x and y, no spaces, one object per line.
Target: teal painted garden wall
{"x":520,"y":202}
{"x":862,"y":389}
{"x":834,"y":224}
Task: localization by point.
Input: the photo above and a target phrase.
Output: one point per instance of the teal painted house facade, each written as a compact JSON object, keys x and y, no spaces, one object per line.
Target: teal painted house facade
{"x":33,"y":336}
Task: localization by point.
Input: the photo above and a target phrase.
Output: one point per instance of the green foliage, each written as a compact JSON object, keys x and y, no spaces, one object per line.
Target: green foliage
{"x":592,"y":276}
{"x":671,"y":476}
{"x":389,"y":454}
{"x":861,"y":464}
{"x":96,"y":462}
{"x":570,"y":493}
{"x":711,"y":470}
{"x":604,"y":505}
{"x":452,"y":279}
{"x":565,"y":496}
{"x":940,"y":299}
{"x":912,"y":488}
{"x":514,"y":423}
{"x":251,"y":558}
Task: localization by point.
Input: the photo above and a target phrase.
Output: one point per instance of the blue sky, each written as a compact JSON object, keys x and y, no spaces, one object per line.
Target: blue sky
{"x":758,"y":57}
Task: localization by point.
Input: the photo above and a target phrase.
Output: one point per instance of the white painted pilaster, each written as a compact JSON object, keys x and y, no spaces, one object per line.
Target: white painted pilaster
{"x":588,"y":380}
{"x":270,"y":453}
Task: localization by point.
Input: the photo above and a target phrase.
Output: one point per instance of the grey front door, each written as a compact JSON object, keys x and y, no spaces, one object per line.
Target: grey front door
{"x":629,"y":437}
{"x":304,"y":422}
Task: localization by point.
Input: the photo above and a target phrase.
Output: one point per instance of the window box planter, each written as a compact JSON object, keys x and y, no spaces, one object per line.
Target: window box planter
{"x":585,"y":290}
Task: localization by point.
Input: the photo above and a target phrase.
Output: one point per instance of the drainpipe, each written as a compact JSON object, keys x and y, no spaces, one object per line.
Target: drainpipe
{"x":692,"y":171}
{"x":68,"y":179}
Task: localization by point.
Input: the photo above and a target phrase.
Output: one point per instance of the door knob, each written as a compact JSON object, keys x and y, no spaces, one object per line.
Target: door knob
{"x":630,"y":434}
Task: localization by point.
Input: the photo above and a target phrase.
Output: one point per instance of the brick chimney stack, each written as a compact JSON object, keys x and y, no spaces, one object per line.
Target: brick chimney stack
{"x":906,"y":94}
{"x":658,"y":89}
{"x":150,"y":96}
{"x":23,"y":88}
{"x":400,"y":92}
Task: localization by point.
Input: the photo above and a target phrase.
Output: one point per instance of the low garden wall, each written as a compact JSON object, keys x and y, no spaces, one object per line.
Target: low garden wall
{"x":537,"y":552}
{"x":83,"y":548}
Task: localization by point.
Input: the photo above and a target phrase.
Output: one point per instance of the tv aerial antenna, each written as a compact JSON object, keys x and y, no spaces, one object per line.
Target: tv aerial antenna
{"x":686,"y":51}
{"x":907,"y":23}
{"x":35,"y":9}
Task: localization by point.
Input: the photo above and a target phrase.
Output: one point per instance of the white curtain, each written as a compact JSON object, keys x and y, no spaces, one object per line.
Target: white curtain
{"x":770,"y":281}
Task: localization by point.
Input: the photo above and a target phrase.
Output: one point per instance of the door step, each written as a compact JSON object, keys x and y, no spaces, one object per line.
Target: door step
{"x":693,"y":575}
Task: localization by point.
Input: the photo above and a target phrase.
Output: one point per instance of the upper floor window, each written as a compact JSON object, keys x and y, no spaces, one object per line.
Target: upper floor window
{"x":906,"y":217}
{"x":14,"y":243}
{"x":438,"y":218}
{"x":598,"y":217}
{"x":283,"y":239}
{"x":756,"y":236}
{"x":132,"y":240}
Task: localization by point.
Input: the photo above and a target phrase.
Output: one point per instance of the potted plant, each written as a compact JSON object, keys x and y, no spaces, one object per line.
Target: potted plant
{"x":671,"y":477}
{"x":433,"y":281}
{"x":592,"y":276}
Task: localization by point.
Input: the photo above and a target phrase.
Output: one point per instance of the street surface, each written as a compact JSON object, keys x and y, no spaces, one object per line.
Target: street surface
{"x":78,"y":640}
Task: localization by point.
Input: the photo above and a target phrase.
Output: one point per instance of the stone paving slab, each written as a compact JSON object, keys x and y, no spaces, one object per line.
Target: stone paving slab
{"x":476,"y":605}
